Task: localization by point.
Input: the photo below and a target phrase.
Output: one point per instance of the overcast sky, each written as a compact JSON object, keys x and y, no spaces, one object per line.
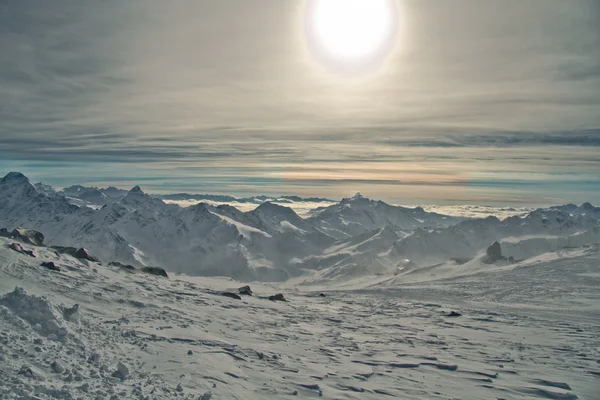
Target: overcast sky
{"x":478,"y":101}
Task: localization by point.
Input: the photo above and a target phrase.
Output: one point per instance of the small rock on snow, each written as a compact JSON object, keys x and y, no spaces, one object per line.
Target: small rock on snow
{"x":51,"y":266}
{"x":245,"y":290}
{"x":155,"y":271}
{"x":122,"y":371}
{"x":277,"y":297}
{"x":232,"y":295}
{"x":56,"y":367}
{"x":206,"y":396}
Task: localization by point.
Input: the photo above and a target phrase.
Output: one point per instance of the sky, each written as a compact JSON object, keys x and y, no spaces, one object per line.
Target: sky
{"x":467,"y":101}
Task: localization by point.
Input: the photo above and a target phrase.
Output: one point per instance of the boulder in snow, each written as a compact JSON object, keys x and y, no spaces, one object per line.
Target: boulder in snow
{"x":122,"y":371}
{"x":124,"y":267}
{"x":155,"y":271}
{"x":57,"y":367}
{"x":28,"y":236}
{"x":494,"y":253}
{"x":20,"y":249}
{"x":80,"y":253}
{"x":51,"y":266}
{"x":83,"y":254}
{"x":72,"y":313}
{"x":232,"y":295}
{"x":277,"y":297}
{"x":245,"y":290}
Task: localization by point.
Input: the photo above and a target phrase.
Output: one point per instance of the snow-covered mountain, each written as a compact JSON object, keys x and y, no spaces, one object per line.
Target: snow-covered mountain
{"x":93,"y":194}
{"x":539,"y":232}
{"x":357,"y":215}
{"x":141,"y":230}
{"x":355,"y":237}
{"x":22,"y":204}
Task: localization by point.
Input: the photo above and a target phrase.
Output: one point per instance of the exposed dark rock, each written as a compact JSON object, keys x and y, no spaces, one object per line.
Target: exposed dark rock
{"x":190,"y":353}
{"x":122,"y":371}
{"x":25,"y":370}
{"x":64,"y":250}
{"x":126,"y":267}
{"x":322,"y":295}
{"x":57,"y":367}
{"x":155,"y":271}
{"x":20,"y":249}
{"x":51,"y":266}
{"x":4,"y":232}
{"x":245,"y":290}
{"x":232,"y":295}
{"x":277,"y":297}
{"x":454,"y":314}
{"x":28,"y":236}
{"x":81,"y":253}
{"x":494,"y":253}
{"x":70,"y":312}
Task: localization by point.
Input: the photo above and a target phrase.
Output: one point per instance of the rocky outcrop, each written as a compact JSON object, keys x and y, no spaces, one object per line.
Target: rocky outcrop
{"x":277,"y":297}
{"x":28,"y":236}
{"x":125,"y":267}
{"x":245,"y":290}
{"x":493,"y":253}
{"x":20,"y":249}
{"x":84,"y":254}
{"x":81,"y":253}
{"x":155,"y":271}
{"x":51,"y":266}
{"x":231,"y":295}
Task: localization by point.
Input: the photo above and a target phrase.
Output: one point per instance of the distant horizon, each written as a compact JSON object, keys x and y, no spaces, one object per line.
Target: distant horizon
{"x":500,"y":206}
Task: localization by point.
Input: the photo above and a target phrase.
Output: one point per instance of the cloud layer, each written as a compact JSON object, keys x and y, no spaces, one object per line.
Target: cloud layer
{"x":480,"y":102}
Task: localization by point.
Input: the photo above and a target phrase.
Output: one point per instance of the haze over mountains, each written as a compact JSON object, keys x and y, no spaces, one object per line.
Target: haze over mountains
{"x":355,"y":237}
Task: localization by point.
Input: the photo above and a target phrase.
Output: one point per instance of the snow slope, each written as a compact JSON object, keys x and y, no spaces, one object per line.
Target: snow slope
{"x":529,"y":331}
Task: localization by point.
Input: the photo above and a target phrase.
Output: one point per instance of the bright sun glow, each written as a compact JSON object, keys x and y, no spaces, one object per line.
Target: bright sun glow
{"x":352,"y":29}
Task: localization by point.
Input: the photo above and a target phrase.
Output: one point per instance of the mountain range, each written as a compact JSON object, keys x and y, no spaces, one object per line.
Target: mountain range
{"x":354,"y":237}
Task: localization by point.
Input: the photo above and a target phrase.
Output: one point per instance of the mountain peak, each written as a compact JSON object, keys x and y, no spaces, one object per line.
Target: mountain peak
{"x":358,"y":196}
{"x":587,"y":206}
{"x":15,"y":176}
{"x":136,"y":189}
{"x":272,"y":208}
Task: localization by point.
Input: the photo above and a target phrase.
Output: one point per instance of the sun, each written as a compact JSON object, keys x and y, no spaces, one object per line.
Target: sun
{"x":351,"y":33}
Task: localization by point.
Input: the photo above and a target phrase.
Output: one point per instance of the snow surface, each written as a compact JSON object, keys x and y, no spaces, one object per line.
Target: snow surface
{"x":528,"y":330}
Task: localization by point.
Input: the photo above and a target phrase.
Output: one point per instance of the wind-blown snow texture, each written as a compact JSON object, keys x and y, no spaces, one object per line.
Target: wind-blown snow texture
{"x":528,"y":330}
{"x":370,"y":290}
